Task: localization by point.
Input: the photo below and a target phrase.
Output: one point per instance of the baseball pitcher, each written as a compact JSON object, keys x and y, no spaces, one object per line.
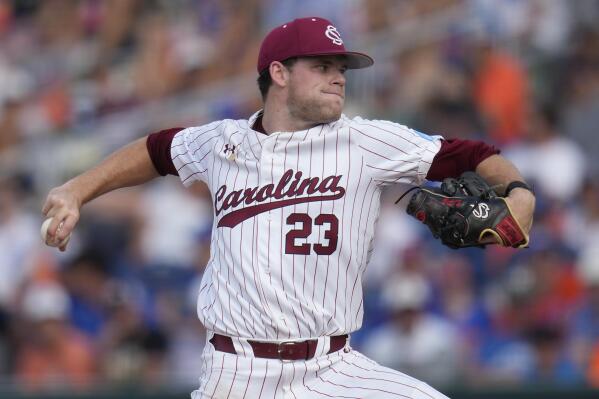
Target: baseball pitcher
{"x":296,"y":192}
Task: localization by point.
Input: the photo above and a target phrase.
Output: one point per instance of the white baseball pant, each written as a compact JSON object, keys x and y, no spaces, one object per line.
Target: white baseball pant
{"x":342,"y":374}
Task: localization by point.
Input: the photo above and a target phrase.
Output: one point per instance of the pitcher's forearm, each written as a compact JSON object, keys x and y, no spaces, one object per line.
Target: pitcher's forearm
{"x":129,"y":166}
{"x":498,"y":172}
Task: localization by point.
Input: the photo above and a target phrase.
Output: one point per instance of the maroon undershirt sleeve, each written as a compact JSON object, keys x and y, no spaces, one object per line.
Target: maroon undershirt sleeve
{"x":159,"y":148}
{"x":458,"y":156}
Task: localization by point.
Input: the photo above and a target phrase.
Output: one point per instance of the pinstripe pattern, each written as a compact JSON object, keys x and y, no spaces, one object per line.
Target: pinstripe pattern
{"x":284,"y":196}
{"x":343,"y":374}
{"x":254,"y":288}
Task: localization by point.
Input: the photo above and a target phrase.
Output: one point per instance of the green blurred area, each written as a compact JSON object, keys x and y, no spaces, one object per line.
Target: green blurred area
{"x":545,"y":392}
{"x":112,"y":394}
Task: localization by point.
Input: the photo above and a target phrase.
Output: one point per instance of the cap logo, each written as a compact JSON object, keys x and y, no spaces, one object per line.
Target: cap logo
{"x":333,"y":34}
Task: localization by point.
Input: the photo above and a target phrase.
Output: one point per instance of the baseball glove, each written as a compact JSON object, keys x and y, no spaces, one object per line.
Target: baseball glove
{"x":464,"y":210}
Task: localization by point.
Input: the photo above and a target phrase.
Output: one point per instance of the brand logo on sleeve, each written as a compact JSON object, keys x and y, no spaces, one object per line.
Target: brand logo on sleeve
{"x":291,"y":189}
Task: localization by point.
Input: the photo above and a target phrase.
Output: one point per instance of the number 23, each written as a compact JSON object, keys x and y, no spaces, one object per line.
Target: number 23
{"x":331,"y":234}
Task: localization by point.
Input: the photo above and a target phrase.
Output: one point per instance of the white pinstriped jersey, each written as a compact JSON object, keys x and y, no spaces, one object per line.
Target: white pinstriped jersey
{"x":295,"y":214}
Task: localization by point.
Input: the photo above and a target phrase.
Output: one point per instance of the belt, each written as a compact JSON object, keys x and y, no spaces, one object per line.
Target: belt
{"x":287,"y":350}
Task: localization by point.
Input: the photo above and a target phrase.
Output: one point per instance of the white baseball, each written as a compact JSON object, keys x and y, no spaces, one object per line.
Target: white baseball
{"x":52,"y":242}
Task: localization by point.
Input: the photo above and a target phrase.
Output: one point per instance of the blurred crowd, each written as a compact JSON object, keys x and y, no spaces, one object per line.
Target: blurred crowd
{"x":119,"y":306}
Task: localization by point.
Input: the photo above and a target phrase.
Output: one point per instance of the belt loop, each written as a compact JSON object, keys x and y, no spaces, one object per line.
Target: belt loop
{"x":326,"y":345}
{"x":312,"y":346}
{"x":242,"y":347}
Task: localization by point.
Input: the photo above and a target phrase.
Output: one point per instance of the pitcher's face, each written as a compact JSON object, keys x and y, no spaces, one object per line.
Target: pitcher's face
{"x":316,"y":91}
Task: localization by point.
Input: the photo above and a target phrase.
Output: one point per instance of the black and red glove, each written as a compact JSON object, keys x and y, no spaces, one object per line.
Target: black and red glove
{"x":465,"y":210}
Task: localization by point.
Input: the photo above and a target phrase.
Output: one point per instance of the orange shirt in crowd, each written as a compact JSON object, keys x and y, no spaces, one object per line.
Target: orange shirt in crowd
{"x":67,"y":362}
{"x":501,"y":94}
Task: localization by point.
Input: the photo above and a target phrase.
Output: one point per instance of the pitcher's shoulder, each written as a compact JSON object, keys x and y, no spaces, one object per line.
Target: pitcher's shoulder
{"x":385,"y":126}
{"x":357,"y":121}
{"x":224,"y":127}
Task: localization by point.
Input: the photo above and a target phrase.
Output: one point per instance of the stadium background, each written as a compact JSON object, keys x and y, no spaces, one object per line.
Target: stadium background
{"x":115,"y":315}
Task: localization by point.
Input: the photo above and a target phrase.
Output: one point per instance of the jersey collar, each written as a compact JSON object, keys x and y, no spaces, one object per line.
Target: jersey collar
{"x":255,"y":122}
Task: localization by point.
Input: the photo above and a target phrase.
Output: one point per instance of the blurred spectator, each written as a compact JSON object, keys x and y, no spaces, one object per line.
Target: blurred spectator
{"x":10,"y":133}
{"x":581,"y":227}
{"x":586,"y":12}
{"x":19,"y":239}
{"x":86,"y":279}
{"x":502,"y":357}
{"x":554,"y":164}
{"x":552,"y":363}
{"x":579,"y":94}
{"x":234,"y":30}
{"x":344,"y":14}
{"x":388,"y":14}
{"x":585,"y":321}
{"x":187,"y":340}
{"x":452,"y":118}
{"x":157,"y":71}
{"x":419,"y":74}
{"x":414,"y":341}
{"x":124,"y":339}
{"x":501,"y":92}
{"x":457,"y":299}
{"x":112,"y":21}
{"x":525,"y":343}
{"x":172,"y":218}
{"x":6,"y":338}
{"x":52,"y":355}
{"x":592,"y":374}
{"x":555,"y":290}
{"x":541,"y":25}
{"x":154,"y":346}
{"x":390,"y":254}
{"x":185,"y":350}
{"x":549,"y":23}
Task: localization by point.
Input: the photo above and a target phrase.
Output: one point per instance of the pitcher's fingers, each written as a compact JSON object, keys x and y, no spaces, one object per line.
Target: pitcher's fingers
{"x":46,"y":207}
{"x":57,"y":224}
{"x":68,"y":224}
{"x":52,"y":204}
{"x":50,"y":209}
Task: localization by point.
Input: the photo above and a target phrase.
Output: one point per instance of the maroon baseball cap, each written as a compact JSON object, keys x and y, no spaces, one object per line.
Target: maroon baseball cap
{"x":304,"y":37}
